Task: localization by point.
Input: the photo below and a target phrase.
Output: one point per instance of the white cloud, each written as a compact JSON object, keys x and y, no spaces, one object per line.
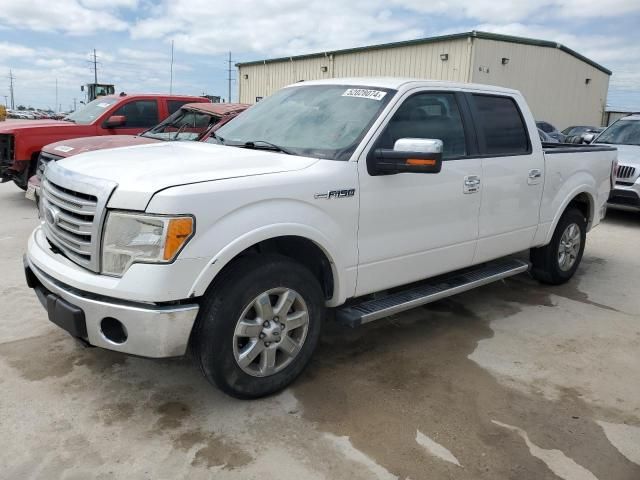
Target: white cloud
{"x":274,"y":26}
{"x":15,"y":50}
{"x":69,"y":16}
{"x":506,"y":11}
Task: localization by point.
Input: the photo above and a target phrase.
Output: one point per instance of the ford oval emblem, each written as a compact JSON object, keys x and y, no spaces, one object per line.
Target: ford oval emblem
{"x":52,"y":215}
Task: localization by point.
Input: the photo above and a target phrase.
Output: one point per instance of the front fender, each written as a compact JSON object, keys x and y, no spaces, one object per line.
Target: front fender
{"x":235,"y":214}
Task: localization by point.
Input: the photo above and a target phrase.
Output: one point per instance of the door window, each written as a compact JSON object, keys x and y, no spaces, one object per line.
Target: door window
{"x":428,"y":115}
{"x":174,"y":105}
{"x":500,"y":121}
{"x":139,"y":114}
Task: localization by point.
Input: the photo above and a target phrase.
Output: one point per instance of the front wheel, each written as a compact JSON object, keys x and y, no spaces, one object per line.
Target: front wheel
{"x":558,"y":261}
{"x":259,"y":326}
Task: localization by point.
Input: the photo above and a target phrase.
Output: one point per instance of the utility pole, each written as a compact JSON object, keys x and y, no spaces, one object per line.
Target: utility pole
{"x":57,"y":92}
{"x":171,"y":80}
{"x":229,"y":78}
{"x":95,"y":67}
{"x":75,"y":107}
{"x":11,"y":79}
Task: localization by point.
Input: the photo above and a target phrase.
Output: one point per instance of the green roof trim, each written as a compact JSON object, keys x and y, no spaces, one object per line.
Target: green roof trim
{"x":442,"y":38}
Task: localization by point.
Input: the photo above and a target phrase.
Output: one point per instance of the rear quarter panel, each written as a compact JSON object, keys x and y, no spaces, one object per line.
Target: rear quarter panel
{"x":567,"y":175}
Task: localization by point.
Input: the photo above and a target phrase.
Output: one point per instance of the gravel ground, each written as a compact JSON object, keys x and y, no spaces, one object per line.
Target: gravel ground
{"x":510,"y":381}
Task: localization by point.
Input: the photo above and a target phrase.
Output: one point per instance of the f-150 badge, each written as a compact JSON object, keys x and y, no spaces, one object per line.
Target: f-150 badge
{"x":350,"y":192}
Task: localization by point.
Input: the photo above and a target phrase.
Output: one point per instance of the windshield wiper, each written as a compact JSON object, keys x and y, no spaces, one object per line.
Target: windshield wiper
{"x":180,"y":130}
{"x":266,"y":145}
{"x":220,"y":139}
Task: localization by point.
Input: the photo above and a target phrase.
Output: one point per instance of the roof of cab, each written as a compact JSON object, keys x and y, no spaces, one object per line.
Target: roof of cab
{"x":395,"y":83}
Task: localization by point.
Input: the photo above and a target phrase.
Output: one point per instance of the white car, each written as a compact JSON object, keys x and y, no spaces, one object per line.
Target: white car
{"x":313,"y":199}
{"x":624,"y":134}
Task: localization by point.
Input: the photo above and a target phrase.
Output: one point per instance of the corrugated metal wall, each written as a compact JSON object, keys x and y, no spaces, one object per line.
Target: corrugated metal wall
{"x":552,"y":81}
{"x":421,"y":61}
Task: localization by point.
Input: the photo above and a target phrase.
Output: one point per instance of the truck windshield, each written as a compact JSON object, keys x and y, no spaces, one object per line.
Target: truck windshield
{"x":185,"y":124}
{"x":91,"y":111}
{"x":321,"y":121}
{"x":623,"y":132}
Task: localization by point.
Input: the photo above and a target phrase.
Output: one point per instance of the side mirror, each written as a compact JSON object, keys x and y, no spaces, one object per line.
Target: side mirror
{"x":588,"y":137}
{"x":115,"y":121}
{"x":409,"y":155}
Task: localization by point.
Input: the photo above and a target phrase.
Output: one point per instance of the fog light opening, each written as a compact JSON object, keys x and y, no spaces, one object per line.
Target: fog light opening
{"x":113,"y":330}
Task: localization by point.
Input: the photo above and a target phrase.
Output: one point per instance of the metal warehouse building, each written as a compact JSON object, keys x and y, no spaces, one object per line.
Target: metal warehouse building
{"x":561,"y":85}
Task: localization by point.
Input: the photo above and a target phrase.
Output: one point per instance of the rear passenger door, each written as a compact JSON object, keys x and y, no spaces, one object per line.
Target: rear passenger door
{"x":512,"y":176}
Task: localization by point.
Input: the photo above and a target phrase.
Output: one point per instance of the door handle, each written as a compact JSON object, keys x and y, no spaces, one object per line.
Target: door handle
{"x":535,"y":175}
{"x":471,"y":184}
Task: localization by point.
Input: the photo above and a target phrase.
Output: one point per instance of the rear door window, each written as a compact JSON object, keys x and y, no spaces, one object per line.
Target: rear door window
{"x":174,"y":105}
{"x":499,"y":121}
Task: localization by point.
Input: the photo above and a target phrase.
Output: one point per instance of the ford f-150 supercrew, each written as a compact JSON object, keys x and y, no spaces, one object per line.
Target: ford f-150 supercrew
{"x":315,"y":198}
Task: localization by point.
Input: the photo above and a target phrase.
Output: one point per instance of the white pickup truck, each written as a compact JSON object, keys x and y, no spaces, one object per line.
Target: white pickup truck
{"x":315,"y":198}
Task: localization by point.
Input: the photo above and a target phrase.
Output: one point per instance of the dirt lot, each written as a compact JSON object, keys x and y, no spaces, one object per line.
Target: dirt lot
{"x":511,"y":381}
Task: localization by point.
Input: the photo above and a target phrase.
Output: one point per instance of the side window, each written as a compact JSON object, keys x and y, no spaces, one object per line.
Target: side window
{"x":139,"y":114}
{"x":428,"y":115}
{"x":504,"y":130}
{"x":174,"y":105}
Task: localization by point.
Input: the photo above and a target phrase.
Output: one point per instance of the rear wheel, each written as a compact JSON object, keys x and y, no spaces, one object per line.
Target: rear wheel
{"x":259,"y":326}
{"x":558,"y":261}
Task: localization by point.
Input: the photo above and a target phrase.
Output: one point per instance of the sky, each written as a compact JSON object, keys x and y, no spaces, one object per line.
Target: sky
{"x":42,"y":41}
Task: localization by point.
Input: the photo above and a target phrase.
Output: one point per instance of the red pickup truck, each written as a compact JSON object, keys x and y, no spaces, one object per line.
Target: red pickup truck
{"x":22,"y":140}
{"x":193,"y":122}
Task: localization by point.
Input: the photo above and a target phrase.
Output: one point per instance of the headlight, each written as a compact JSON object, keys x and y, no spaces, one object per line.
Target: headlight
{"x":131,"y":238}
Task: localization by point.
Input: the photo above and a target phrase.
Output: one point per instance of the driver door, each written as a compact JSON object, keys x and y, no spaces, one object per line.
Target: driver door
{"x":414,"y":226}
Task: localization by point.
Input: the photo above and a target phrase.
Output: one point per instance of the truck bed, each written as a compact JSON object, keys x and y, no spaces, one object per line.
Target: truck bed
{"x":551,"y":148}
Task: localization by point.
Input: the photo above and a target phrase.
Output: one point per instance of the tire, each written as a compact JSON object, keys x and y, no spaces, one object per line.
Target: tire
{"x":22,"y":180}
{"x":548,"y":264}
{"x":233,"y":300}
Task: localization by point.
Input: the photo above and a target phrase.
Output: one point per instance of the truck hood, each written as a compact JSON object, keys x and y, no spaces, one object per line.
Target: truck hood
{"x":144,"y":170}
{"x":10,"y":126}
{"x":68,"y":148}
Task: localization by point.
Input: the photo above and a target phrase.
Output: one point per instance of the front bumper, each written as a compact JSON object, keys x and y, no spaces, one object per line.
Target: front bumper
{"x":150,"y":330}
{"x":625,"y":197}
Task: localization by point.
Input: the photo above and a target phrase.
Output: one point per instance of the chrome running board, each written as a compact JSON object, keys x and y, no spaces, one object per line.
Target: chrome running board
{"x":354,"y":315}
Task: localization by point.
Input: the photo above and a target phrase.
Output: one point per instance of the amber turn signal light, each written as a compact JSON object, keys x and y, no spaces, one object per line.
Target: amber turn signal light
{"x":178,"y":232}
{"x":420,"y":162}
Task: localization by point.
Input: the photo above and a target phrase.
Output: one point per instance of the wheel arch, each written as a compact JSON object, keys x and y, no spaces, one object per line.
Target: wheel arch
{"x":581,"y":199}
{"x":299,"y":246}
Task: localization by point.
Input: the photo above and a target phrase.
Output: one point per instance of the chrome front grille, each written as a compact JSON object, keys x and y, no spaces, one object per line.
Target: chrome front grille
{"x":43,"y":160}
{"x":72,"y":208}
{"x":69,"y":218}
{"x":6,"y":147}
{"x":625,"y":171}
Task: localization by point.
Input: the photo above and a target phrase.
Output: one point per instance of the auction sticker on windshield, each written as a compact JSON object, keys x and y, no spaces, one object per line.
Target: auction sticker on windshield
{"x":364,"y":93}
